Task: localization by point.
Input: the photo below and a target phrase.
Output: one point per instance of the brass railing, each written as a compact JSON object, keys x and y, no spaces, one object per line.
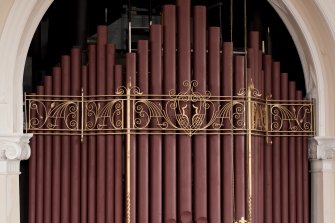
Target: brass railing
{"x":188,"y":112}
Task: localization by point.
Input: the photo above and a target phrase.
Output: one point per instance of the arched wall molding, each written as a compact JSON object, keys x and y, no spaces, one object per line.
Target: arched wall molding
{"x":37,"y":13}
{"x":311,"y":24}
{"x":16,"y":35}
{"x":312,"y":30}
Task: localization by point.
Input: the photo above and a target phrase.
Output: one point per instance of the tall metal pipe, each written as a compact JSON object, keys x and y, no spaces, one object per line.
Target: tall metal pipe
{"x":110,"y":148}
{"x":66,"y":155}
{"x":200,"y":141}
{"x":184,"y":142}
{"x":40,"y":169}
{"x":84,"y":157}
{"x":277,"y":217}
{"x":101,"y":139}
{"x":292,"y":163}
{"x":56,"y":154}
{"x":213,"y":141}
{"x":284,"y":155}
{"x":47,"y":159}
{"x":268,"y":185}
{"x":239,"y":150}
{"x":227,"y":145}
{"x":119,"y":160}
{"x":75,"y":140}
{"x":156,"y":183}
{"x":92,"y":150}
{"x":169,"y":141}
{"x":143,"y":140}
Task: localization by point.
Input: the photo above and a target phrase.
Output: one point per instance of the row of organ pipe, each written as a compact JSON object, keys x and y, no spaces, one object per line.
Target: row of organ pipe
{"x":174,"y":178}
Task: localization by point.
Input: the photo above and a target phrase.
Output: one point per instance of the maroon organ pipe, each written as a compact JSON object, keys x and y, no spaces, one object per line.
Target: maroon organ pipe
{"x":131,"y":77}
{"x":47,"y":159}
{"x":40,"y":169}
{"x":214,"y":181}
{"x":268,"y":147}
{"x":292,"y":165}
{"x":299,"y":172}
{"x":227,"y":154}
{"x":276,"y":150}
{"x":169,"y":82}
{"x":66,"y":161}
{"x":75,"y":140}
{"x":284,"y":155}
{"x":253,"y":64}
{"x":32,"y":174}
{"x":156,"y":140}
{"x":184,"y":142}
{"x":118,"y":158}
{"x":254,"y":44}
{"x":305,"y":179}
{"x":91,"y":211}
{"x":199,"y":149}
{"x":110,"y":57}
{"x":56,"y":154}
{"x":143,"y":143}
{"x":260,"y":168}
{"x":101,"y":139}
{"x":304,"y":155}
{"x":84,"y":158}
{"x":239,"y":143}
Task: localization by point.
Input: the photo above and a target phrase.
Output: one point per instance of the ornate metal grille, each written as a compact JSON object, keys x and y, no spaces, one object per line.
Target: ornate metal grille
{"x":187,"y":112}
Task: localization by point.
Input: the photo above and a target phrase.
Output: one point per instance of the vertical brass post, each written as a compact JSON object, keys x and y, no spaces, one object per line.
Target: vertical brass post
{"x":267,"y":120}
{"x":128,"y":197}
{"x":249,"y":136}
{"x":82,"y":116}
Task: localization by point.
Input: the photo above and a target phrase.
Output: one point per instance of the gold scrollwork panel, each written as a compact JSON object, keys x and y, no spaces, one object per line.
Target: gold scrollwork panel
{"x":187,"y":112}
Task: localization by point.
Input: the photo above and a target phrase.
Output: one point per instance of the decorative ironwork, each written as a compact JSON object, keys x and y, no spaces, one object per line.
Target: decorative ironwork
{"x":46,"y":115}
{"x":187,"y":112}
{"x":103,"y":115}
{"x":291,"y":117}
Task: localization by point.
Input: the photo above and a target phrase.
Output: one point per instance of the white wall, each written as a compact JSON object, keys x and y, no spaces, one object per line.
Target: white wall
{"x":310,"y":22}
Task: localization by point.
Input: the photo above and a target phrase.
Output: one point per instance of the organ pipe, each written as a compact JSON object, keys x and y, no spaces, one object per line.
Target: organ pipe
{"x":119,"y":159}
{"x":84,"y":157}
{"x":213,"y":141}
{"x":143,"y":140}
{"x":92,"y":153}
{"x":184,"y":142}
{"x":170,"y":146}
{"x":47,"y":160}
{"x":66,"y":159}
{"x":110,"y":148}
{"x":200,"y":141}
{"x":156,"y":186}
{"x":227,"y":148}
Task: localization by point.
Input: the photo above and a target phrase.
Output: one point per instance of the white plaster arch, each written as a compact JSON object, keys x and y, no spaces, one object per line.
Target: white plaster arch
{"x":311,"y":24}
{"x":313,"y":34}
{"x":15,"y":37}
